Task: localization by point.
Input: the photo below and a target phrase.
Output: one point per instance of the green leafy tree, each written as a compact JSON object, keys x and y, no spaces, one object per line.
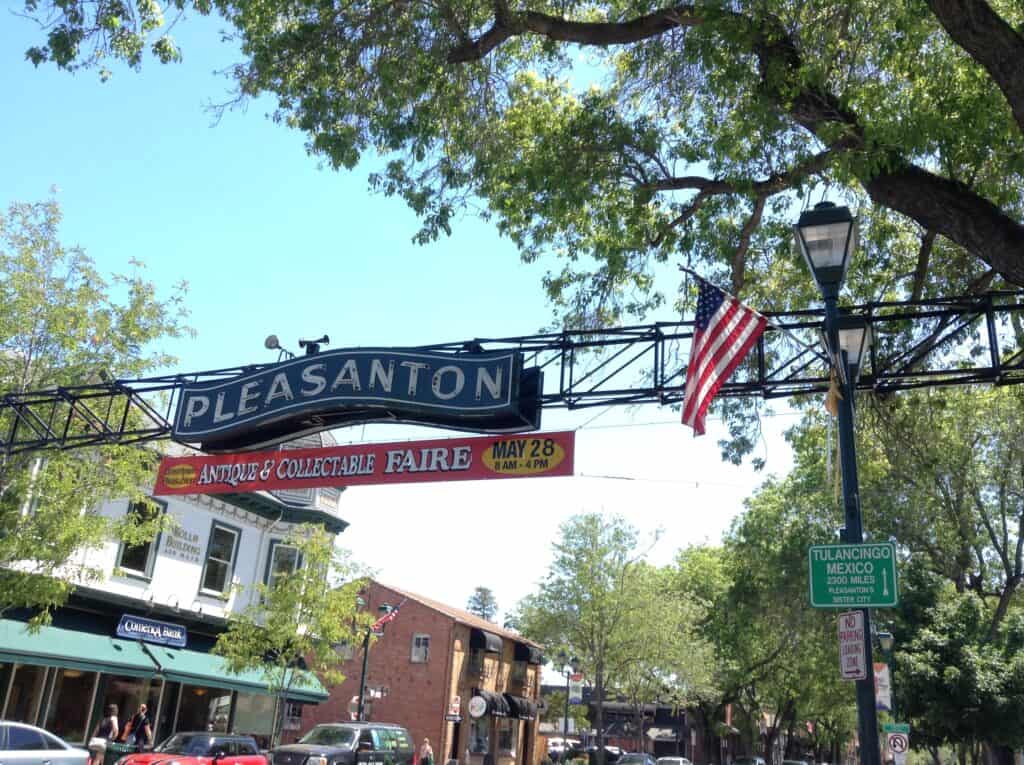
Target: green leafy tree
{"x":584,"y":599}
{"x":556,"y":711}
{"x":303,"y":618}
{"x":620,"y":134}
{"x":667,"y":661}
{"x":597,"y":601}
{"x":62,"y":324}
{"x":483,"y":603}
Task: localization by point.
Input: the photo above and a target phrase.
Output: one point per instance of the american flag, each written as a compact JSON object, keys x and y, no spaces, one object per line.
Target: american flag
{"x":389,"y":617}
{"x":723,"y":333}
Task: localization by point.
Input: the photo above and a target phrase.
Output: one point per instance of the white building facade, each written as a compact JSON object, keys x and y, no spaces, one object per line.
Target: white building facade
{"x":142,"y":633}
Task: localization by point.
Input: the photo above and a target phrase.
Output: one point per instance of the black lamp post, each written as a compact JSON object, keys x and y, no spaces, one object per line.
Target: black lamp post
{"x":384,"y":609}
{"x":827,"y":237}
{"x":570,"y":670}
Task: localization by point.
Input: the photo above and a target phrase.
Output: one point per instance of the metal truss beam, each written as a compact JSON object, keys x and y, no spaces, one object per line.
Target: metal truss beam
{"x":949,"y":341}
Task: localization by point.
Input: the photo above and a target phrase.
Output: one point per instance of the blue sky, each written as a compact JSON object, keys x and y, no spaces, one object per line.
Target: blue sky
{"x":270,"y":243}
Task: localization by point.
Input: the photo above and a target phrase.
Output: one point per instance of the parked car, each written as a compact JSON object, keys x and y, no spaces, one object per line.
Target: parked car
{"x":557,"y":747}
{"x":673,"y":761}
{"x":637,"y":758}
{"x":22,"y":744}
{"x":348,"y":743}
{"x":795,"y":762}
{"x":749,"y":761}
{"x":200,"y":748}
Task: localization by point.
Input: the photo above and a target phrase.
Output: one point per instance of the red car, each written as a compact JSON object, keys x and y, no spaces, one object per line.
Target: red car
{"x":200,"y":749}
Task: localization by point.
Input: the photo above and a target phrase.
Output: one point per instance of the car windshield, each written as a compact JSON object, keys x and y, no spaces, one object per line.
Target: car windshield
{"x":194,"y":744}
{"x":329,"y":735}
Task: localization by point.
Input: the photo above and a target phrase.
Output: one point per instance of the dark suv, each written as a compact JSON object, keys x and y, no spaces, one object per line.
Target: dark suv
{"x":349,"y":743}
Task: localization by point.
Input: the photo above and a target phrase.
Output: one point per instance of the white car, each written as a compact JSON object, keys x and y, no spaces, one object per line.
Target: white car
{"x":22,"y":744}
{"x":673,"y":761}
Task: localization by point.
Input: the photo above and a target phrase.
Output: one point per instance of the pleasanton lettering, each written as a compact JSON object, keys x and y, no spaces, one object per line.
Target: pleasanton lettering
{"x":486,"y":391}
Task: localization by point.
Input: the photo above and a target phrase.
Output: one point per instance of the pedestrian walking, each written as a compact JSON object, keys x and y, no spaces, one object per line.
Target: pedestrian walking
{"x":139,"y":730}
{"x":426,"y":753}
{"x":105,"y":732}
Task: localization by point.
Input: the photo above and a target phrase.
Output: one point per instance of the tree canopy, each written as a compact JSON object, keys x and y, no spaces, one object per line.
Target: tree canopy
{"x":620,"y":134}
{"x":62,"y":323}
{"x":300,"y":619}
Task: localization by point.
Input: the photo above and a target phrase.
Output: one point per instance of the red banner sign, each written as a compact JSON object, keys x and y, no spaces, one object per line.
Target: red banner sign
{"x":446,"y":459}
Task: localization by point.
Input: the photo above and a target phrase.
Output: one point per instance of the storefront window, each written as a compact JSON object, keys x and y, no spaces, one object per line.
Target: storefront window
{"x":128,"y":693}
{"x":480,"y":735}
{"x":507,"y":730}
{"x":254,"y":716}
{"x":68,"y":714}
{"x":203,"y":709}
{"x":26,"y":694}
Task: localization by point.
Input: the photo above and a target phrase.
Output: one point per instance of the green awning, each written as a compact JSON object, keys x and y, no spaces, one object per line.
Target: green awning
{"x":207,"y":669}
{"x":56,"y":647}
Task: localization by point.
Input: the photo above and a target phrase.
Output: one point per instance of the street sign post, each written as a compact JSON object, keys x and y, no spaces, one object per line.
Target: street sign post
{"x":853,"y":576}
{"x":897,"y":741}
{"x":853,"y":660}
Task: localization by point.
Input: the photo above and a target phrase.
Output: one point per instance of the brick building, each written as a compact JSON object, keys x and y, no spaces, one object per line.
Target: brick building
{"x":447,"y":675}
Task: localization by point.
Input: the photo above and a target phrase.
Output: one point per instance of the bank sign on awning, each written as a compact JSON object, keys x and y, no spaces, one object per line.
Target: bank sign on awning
{"x":448,"y":459}
{"x":485,"y":392}
{"x":152,"y":631}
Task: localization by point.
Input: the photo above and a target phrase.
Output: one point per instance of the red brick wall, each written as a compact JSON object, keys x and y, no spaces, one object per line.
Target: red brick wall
{"x":418,"y":693}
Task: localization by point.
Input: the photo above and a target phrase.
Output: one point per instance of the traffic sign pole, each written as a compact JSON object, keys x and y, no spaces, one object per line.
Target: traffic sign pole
{"x":867,"y":717}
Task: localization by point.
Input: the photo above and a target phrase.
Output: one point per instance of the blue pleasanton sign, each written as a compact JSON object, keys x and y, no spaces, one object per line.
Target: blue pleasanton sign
{"x":152,"y":631}
{"x":486,"y":392}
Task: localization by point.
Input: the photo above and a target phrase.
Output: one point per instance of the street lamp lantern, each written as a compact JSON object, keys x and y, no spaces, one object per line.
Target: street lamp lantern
{"x":853,"y":340}
{"x":827,"y":237}
{"x":886,"y":641}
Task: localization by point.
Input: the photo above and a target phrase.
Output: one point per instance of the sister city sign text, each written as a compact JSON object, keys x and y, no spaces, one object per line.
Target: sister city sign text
{"x":857,"y":576}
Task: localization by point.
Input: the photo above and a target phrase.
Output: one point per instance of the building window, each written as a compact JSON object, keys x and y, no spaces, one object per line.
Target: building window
{"x":476,"y":662}
{"x":507,"y":730}
{"x":518,"y":675}
{"x":282,"y":560}
{"x":220,"y":558}
{"x":203,"y":708}
{"x":420,"y":648}
{"x":138,"y":560}
{"x":292,"y":715}
{"x":479,"y":735}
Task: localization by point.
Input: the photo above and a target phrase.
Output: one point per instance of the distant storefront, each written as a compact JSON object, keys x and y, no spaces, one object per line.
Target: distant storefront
{"x":63,"y":676}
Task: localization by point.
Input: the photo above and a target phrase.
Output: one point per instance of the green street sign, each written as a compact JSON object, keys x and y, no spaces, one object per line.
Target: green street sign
{"x":853,"y":576}
{"x":896,"y":728}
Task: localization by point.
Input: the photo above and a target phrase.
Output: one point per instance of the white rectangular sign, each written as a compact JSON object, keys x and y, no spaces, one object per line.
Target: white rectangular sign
{"x":576,"y":689}
{"x":883,"y":687}
{"x":853,"y":662}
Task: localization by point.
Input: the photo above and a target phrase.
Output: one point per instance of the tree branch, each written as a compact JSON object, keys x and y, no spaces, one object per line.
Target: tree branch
{"x":989,"y":40}
{"x":739,"y":258}
{"x":581,"y":32}
{"x":945,"y":206}
{"x":923,"y":258}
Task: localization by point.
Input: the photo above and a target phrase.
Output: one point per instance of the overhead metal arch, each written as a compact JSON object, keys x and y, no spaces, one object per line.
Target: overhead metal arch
{"x":948,"y":341}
